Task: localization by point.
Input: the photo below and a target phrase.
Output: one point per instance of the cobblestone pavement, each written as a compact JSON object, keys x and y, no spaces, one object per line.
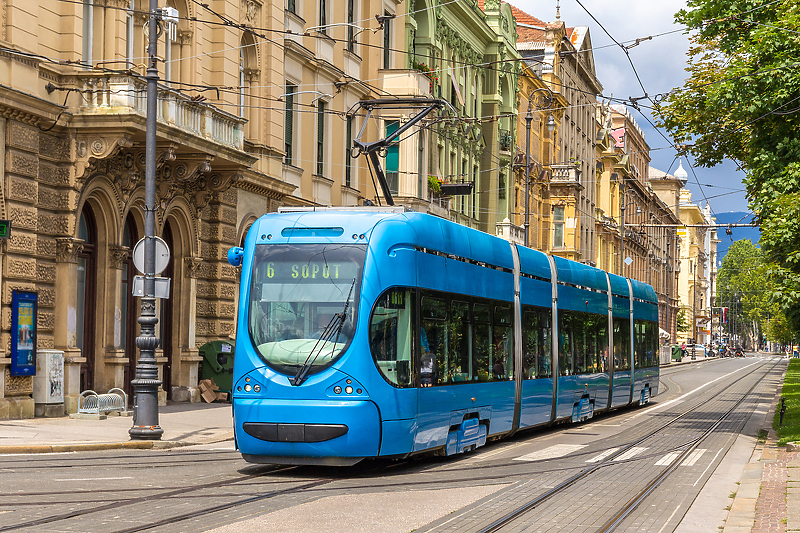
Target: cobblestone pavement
{"x":771,"y":507}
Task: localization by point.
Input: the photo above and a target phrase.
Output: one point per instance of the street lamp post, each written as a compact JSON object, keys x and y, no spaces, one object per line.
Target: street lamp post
{"x":146,"y":382}
{"x":543,"y":101}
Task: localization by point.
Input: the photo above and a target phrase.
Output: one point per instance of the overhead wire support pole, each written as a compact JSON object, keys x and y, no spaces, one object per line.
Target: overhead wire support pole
{"x":146,"y":382}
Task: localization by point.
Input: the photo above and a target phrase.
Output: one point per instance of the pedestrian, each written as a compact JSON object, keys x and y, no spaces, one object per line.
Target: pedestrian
{"x":683,"y":349}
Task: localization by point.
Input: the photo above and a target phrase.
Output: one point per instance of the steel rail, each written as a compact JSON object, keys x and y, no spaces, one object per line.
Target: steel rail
{"x":630,"y":506}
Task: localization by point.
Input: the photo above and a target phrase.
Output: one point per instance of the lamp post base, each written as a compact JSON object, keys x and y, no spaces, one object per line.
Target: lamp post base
{"x":146,"y":432}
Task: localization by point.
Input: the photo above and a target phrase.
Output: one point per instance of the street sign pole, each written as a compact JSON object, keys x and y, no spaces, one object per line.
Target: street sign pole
{"x":146,"y":382}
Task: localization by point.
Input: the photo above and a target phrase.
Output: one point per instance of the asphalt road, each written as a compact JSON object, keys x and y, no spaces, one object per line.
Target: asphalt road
{"x":668,"y":466}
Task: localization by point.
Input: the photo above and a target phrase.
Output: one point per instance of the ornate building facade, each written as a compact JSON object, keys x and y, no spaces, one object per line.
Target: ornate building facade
{"x":243,"y":87}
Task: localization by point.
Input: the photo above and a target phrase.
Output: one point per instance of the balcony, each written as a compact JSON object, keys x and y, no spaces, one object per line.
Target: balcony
{"x":404,"y":82}
{"x":566,"y":175}
{"x":510,"y":231}
{"x":105,"y":95}
{"x":505,"y":140}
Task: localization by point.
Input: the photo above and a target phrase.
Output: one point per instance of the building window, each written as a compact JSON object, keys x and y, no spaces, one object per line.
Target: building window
{"x":241,"y":78}
{"x":320,"y":137}
{"x":558,"y":226}
{"x":351,"y":7}
{"x":88,"y":33}
{"x":288,"y":132}
{"x":392,"y":158}
{"x":323,"y":17}
{"x":129,"y":35}
{"x":291,"y":5}
{"x":348,"y":161}
{"x":387,"y":41}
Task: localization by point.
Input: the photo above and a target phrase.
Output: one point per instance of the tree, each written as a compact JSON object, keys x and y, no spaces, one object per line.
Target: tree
{"x":742,"y":278}
{"x":742,"y":101}
{"x":681,"y":322}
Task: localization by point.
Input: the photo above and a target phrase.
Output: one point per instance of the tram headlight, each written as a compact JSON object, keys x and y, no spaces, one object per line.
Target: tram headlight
{"x":337,"y":389}
{"x":348,"y":389}
{"x":248,"y":388}
{"x":256,"y":388}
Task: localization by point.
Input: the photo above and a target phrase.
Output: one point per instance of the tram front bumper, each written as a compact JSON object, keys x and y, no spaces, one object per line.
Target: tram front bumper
{"x":311,"y":429}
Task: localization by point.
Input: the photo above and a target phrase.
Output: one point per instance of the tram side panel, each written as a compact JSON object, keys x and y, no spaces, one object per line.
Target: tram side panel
{"x":389,"y":313}
{"x":583,"y":379}
{"x":537,"y":328}
{"x":469,"y":332}
{"x":623,"y":373}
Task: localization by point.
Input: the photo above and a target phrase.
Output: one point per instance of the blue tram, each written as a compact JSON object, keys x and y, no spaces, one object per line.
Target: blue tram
{"x":369,"y":332}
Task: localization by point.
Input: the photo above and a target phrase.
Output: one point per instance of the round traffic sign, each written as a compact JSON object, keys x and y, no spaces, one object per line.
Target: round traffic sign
{"x":162,"y":255}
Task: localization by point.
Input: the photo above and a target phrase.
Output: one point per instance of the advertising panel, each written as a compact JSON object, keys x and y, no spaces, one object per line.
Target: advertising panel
{"x":23,"y":333}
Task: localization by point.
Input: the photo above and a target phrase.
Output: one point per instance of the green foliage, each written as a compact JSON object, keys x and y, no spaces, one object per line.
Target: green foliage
{"x":743,"y":278}
{"x":434,"y":185}
{"x":742,"y":101}
{"x":791,"y":392}
{"x":681,"y":322}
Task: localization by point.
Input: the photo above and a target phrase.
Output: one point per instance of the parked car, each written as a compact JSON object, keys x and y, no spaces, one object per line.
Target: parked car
{"x":699,"y":349}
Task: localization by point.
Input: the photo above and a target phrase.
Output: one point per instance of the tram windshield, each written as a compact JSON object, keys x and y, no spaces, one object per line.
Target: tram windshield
{"x":302,"y":303}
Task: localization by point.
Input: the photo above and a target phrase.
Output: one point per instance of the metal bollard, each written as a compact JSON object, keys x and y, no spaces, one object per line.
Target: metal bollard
{"x":783,"y":410}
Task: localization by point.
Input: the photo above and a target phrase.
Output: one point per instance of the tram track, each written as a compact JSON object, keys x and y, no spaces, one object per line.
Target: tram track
{"x":622,"y":513}
{"x":322,"y":485}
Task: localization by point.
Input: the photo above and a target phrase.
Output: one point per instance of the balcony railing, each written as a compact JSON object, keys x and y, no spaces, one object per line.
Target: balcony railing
{"x":103,"y":94}
{"x":505,"y":139}
{"x":509,"y":231}
{"x":566,"y":175}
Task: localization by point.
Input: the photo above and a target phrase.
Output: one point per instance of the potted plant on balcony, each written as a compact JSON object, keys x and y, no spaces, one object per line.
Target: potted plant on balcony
{"x":427,"y":72}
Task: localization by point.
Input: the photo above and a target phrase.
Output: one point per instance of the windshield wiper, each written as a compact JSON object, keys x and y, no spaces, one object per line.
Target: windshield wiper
{"x":333,"y":327}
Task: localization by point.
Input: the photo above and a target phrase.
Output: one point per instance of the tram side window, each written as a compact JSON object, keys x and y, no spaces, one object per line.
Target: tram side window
{"x":536,"y":343}
{"x":622,"y":342}
{"x":502,"y":360}
{"x":650,"y":344}
{"x":433,"y":339}
{"x":639,"y":344}
{"x":481,"y":341}
{"x":390,"y":335}
{"x":566,"y":348}
{"x":596,"y":328}
{"x":458,"y":366}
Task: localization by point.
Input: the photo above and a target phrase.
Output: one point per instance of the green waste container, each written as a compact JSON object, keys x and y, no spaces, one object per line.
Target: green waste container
{"x":218,"y":364}
{"x":676,"y":352}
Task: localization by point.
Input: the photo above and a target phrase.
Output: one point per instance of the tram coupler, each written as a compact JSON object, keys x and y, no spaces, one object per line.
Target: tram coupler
{"x":783,"y":410}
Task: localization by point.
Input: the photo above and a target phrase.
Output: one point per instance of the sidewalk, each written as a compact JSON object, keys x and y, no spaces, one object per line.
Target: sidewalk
{"x":183,"y":425}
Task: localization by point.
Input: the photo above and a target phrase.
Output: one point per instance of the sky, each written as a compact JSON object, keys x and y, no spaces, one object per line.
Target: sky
{"x":660,"y":63}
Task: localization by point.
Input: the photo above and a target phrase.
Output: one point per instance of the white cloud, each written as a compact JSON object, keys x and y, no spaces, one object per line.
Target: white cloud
{"x":660,"y":63}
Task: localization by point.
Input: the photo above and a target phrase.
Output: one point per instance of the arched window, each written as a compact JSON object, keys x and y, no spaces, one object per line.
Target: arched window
{"x":248,"y":66}
{"x":87,"y":287}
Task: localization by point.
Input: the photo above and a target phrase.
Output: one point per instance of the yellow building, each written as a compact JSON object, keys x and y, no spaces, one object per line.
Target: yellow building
{"x":697,"y":252}
{"x":627,"y":198}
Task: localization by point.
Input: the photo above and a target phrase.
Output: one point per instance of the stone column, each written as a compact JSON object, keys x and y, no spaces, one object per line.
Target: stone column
{"x":65,"y":332}
{"x":115,"y":356}
{"x":188,"y":375}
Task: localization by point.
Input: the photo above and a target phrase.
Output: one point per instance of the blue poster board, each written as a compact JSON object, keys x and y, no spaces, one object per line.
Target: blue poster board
{"x":24,"y":311}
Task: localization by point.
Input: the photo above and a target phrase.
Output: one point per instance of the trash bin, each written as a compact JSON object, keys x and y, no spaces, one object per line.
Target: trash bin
{"x":218,"y":364}
{"x":676,"y":352}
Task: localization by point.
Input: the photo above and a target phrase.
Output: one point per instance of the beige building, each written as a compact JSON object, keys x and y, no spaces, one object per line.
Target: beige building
{"x":247,"y":121}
